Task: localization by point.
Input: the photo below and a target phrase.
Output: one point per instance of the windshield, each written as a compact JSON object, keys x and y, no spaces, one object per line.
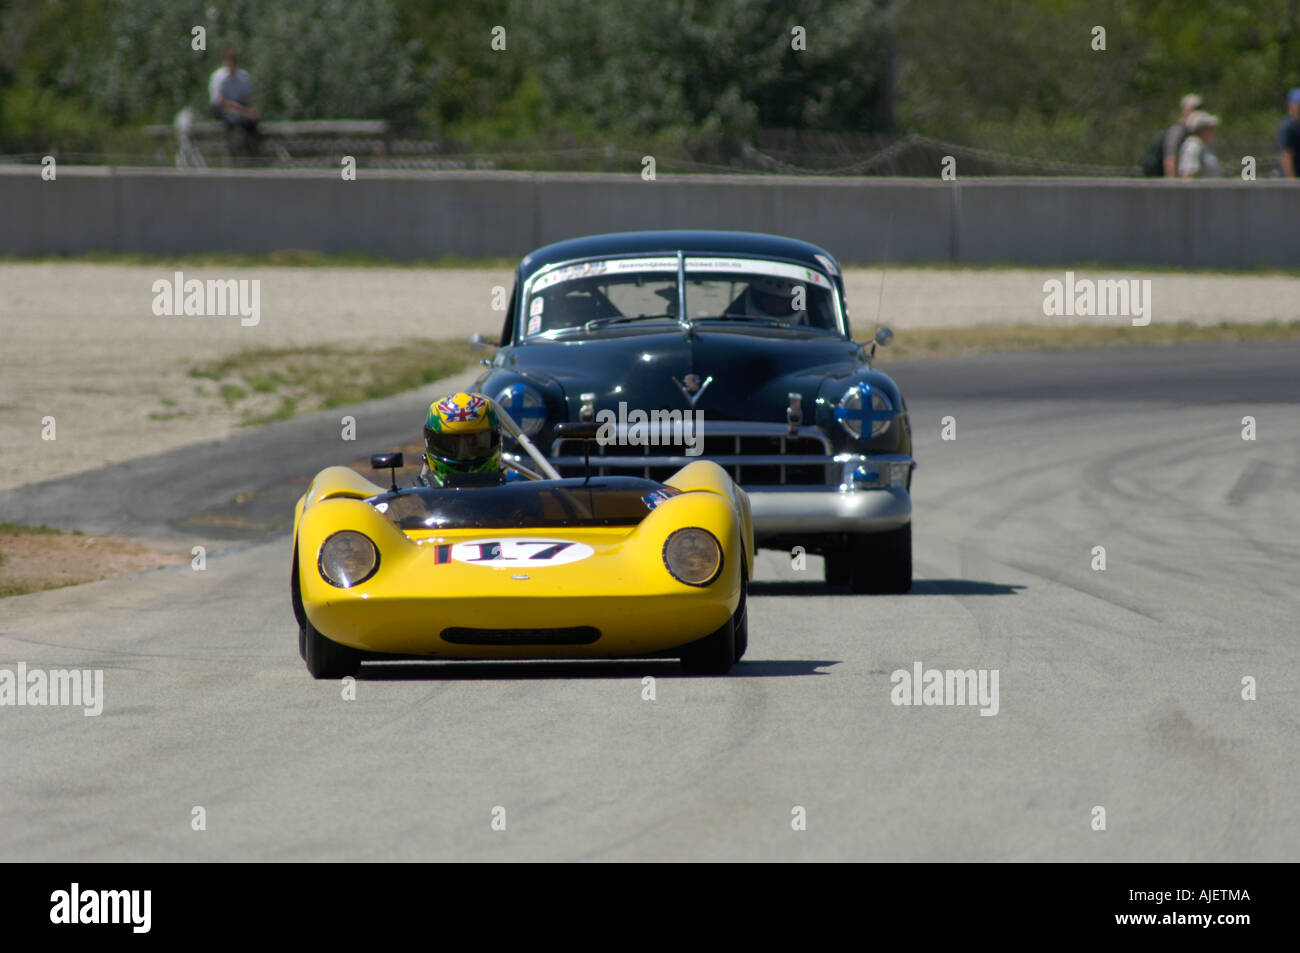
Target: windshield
{"x":595,"y":294}
{"x":601,"y":501}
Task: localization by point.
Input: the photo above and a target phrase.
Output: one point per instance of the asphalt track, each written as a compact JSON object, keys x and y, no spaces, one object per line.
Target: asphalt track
{"x":1119,"y":688}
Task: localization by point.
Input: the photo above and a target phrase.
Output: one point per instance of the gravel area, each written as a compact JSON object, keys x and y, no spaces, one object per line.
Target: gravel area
{"x":82,"y":344}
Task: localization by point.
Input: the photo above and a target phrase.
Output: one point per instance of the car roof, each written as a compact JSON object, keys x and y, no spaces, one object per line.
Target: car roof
{"x":749,"y":244}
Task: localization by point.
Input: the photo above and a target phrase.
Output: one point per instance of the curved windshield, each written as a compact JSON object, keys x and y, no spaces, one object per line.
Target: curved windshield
{"x":600,"y":501}
{"x":627,"y":291}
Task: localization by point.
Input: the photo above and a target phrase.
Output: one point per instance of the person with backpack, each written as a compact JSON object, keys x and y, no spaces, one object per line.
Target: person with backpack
{"x":1161,"y":159}
{"x":1177,"y":134}
{"x":1195,"y":160}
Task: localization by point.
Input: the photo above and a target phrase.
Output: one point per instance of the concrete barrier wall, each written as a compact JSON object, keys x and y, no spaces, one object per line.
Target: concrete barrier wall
{"x":408,"y":215}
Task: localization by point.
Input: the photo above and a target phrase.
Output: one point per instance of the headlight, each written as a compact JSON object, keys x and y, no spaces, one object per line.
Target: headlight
{"x":693,"y":556}
{"x":525,"y":405}
{"x":347,"y":559}
{"x":852,"y":414}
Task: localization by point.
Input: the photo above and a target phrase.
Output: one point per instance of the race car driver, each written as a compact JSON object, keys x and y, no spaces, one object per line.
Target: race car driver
{"x":768,"y":297}
{"x":462,"y":435}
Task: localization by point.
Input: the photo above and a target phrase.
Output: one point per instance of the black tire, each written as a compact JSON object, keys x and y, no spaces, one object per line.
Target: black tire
{"x":295,"y":597}
{"x":326,"y":659}
{"x":713,"y":654}
{"x":740,"y":621}
{"x":882,"y":562}
{"x":839,"y":568}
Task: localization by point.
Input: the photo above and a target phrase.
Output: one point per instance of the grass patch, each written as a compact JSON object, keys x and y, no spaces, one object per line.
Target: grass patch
{"x":18,"y":529}
{"x":8,"y":589}
{"x":302,"y":258}
{"x":269,"y":384}
{"x":959,"y":342}
{"x":1078,"y":267}
{"x":232,"y":393}
{"x":36,"y":558}
{"x":167,"y":415}
{"x":287,"y":408}
{"x":285,"y":258}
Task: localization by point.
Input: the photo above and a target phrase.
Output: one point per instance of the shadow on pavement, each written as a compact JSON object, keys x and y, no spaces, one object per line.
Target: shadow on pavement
{"x":920,"y":587}
{"x":633,"y":668}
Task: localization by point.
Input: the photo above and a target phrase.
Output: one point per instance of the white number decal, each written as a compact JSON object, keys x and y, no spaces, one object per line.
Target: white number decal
{"x":506,"y":553}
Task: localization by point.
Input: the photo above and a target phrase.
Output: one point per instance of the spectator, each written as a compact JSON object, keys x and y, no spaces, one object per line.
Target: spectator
{"x":1195,"y":160}
{"x":1288,"y":135}
{"x":1177,"y":134}
{"x":230,"y":93}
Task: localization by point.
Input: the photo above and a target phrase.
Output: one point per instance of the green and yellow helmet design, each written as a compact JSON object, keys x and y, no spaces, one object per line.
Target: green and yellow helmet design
{"x":461,"y":435}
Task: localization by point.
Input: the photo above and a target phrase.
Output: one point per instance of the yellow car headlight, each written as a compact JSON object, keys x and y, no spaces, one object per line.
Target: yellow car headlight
{"x":693,"y":556}
{"x":347,"y":559}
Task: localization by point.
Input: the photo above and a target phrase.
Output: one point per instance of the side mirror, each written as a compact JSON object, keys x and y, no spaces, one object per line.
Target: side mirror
{"x":388,"y":461}
{"x":480,"y":341}
{"x":884,"y":336}
{"x":585,"y":431}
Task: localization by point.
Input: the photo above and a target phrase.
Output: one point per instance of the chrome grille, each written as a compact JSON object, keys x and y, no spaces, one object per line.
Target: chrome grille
{"x":753,"y":453}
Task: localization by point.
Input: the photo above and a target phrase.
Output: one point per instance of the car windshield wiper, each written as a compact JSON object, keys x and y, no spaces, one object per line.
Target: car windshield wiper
{"x":625,"y":318}
{"x":602,"y":322}
{"x":757,"y":318}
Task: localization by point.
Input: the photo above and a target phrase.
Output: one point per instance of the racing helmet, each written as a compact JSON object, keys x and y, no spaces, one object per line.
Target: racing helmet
{"x":771,"y":297}
{"x":461,"y":435}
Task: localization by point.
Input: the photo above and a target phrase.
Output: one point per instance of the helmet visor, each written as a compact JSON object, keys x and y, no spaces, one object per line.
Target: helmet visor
{"x":463,"y":447}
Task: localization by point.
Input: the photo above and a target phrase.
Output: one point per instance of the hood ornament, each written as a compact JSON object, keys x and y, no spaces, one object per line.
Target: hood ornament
{"x":692,"y":387}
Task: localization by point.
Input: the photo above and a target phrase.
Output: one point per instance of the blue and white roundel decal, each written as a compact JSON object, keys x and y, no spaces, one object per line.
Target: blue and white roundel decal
{"x":532,"y":552}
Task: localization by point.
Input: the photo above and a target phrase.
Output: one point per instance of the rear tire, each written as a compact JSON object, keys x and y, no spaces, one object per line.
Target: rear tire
{"x":881,"y":564}
{"x":713,"y":654}
{"x":326,"y":659}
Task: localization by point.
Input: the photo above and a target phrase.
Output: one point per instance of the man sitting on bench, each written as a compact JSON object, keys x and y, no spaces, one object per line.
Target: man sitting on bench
{"x":230,"y":93}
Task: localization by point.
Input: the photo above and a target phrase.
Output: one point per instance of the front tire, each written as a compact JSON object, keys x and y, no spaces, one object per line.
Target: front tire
{"x":713,"y":654}
{"x":839,"y":568}
{"x":881,"y":563}
{"x":324,"y":658}
{"x":740,"y":621}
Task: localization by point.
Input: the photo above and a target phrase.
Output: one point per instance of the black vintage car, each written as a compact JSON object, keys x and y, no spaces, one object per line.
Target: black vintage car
{"x":728,"y":345}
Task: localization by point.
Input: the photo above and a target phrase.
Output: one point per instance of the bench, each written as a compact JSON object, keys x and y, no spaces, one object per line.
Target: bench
{"x":283,"y":138}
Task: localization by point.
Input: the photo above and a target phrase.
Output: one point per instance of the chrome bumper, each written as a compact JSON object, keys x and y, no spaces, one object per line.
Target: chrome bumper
{"x":816,"y":510}
{"x":870,"y":494}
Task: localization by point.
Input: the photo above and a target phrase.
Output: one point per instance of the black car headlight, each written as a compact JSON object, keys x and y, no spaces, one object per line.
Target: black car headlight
{"x":525,"y":406}
{"x":693,"y":556}
{"x":853,"y":415}
{"x":348,"y":559}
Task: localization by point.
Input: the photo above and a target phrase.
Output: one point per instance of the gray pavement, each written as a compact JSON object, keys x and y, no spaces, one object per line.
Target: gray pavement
{"x":1119,"y":689}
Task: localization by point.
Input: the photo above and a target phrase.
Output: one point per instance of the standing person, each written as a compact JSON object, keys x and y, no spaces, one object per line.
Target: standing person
{"x":1288,"y":135}
{"x":230,"y":94}
{"x":1195,"y":160}
{"x":1177,"y":134}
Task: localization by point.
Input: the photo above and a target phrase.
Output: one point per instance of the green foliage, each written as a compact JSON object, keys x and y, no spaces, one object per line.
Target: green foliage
{"x":38,"y":119}
{"x":1021,"y":76}
{"x":704,"y":77}
{"x":133,"y":61}
{"x":707,"y":70}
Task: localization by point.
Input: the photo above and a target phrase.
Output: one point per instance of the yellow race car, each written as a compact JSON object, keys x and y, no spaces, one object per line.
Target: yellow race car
{"x":535,"y":568}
